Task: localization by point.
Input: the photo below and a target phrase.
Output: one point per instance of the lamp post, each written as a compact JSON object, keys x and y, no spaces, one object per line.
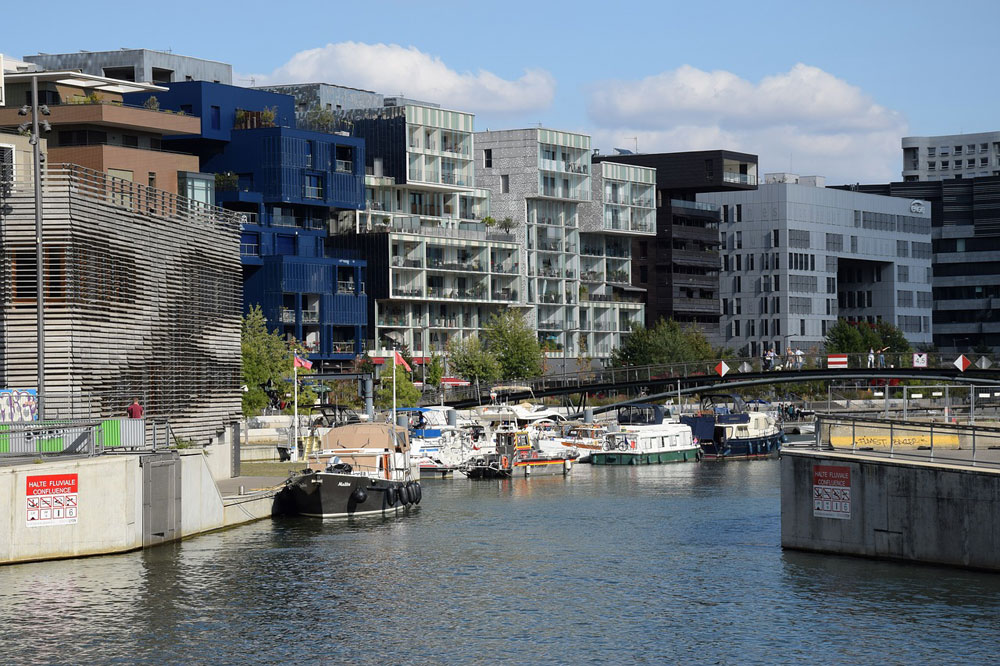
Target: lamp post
{"x":39,"y":254}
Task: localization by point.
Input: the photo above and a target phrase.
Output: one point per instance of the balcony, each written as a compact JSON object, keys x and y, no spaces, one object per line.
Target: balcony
{"x":504,"y":295}
{"x":310,"y":316}
{"x":347,"y":287}
{"x":343,"y":347}
{"x":592,"y":276}
{"x":548,"y":246}
{"x":344,"y":166}
{"x":111,"y":114}
{"x":393,"y":320}
{"x":508,"y":268}
{"x":312,"y":192}
{"x":739,"y":178}
{"x":249,"y":250}
{"x":407,"y":292}
{"x":400,"y":262}
{"x":287,"y":315}
{"x":464,"y":266}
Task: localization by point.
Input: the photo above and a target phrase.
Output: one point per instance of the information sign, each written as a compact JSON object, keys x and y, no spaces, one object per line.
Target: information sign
{"x":51,"y":499}
{"x":832,"y":491}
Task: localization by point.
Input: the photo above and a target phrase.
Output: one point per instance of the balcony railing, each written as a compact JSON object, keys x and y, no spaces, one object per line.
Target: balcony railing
{"x":287,"y":315}
{"x":344,"y":166}
{"x":393,"y":320}
{"x":312,"y":192}
{"x":739,"y":178}
{"x":343,"y":347}
{"x":408,"y":292}
{"x":510,"y":268}
{"x":504,"y":295}
{"x":400,"y":262}
{"x":310,"y":316}
{"x":249,"y":250}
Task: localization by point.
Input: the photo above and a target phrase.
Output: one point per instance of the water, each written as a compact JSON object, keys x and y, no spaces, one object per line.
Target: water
{"x":674,"y":563}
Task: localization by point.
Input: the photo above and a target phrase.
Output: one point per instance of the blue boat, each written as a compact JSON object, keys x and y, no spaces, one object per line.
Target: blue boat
{"x":724,"y":429}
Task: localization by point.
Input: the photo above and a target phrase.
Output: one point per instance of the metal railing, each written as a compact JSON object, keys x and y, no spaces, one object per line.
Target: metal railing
{"x":910,"y":440}
{"x":83,"y":437}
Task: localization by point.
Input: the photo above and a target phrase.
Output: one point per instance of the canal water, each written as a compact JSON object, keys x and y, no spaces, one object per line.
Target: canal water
{"x":666,"y":564}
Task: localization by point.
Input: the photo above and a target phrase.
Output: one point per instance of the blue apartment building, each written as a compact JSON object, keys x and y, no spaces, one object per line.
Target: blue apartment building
{"x":291,"y":185}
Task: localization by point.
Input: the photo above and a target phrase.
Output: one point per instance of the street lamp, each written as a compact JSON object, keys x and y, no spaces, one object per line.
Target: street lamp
{"x":34,"y":110}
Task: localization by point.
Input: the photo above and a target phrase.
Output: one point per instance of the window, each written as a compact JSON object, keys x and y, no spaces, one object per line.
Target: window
{"x":902,"y":273}
{"x":931,"y":152}
{"x":739,"y":262}
{"x":944,"y":165}
{"x":736,"y":327}
{"x":984,"y":161}
{"x":130,"y":140}
{"x":739,"y":213}
{"x":215,"y":113}
{"x":970,"y":164}
{"x":802,"y":326}
{"x":739,"y":240}
{"x":958,"y":150}
{"x":505,"y":184}
{"x":488,"y":158}
{"x":750,"y":261}
{"x":775,"y":240}
{"x":151,"y":178}
{"x":643,"y":274}
{"x":931,"y":166}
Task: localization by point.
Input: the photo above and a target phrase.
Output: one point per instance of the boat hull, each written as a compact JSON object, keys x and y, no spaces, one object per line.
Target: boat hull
{"x":333,"y":495}
{"x":645,"y":457}
{"x":743,"y":449}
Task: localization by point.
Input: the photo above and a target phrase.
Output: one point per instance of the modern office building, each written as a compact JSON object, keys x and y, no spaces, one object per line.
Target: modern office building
{"x":142,"y":297}
{"x":797,"y":255}
{"x":951,"y":156}
{"x":435,"y":269}
{"x":574,"y":228}
{"x":290,"y":187}
{"x":679,"y":268}
{"x":143,"y":65}
{"x":965,"y":215}
{"x":93,"y":128}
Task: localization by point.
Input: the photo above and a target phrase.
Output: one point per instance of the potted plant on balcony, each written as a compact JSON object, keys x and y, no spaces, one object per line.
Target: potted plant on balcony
{"x":152,"y":103}
{"x":506,"y":224}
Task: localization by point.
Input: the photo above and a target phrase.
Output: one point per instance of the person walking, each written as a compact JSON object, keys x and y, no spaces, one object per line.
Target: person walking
{"x":871,"y":357}
{"x":134,"y":410}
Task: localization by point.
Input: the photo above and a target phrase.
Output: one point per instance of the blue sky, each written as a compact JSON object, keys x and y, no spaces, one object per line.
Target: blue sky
{"x":813,"y":88}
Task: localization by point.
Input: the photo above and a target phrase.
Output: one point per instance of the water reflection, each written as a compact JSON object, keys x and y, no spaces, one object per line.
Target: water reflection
{"x":662,"y":563}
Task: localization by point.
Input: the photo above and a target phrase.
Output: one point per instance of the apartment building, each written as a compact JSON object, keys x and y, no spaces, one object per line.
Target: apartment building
{"x":290,"y":186}
{"x":574,"y":228}
{"x":143,"y":65}
{"x":679,"y":267}
{"x":436,"y":269}
{"x":951,"y":156}
{"x":797,"y":255}
{"x":93,"y":127}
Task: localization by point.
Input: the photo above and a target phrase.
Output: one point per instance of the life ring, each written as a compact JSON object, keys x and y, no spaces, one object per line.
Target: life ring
{"x":390,"y":496}
{"x":404,"y":495}
{"x":631,"y":443}
{"x":504,"y":462}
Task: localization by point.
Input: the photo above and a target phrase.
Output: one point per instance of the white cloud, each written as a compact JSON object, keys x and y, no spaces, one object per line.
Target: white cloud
{"x":804,"y":120}
{"x":392,"y":69}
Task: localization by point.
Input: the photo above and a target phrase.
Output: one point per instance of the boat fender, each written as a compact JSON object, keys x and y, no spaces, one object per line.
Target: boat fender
{"x":359,"y":495}
{"x":404,"y":495}
{"x":698,"y":455}
{"x":417,"y":492}
{"x":390,"y":496}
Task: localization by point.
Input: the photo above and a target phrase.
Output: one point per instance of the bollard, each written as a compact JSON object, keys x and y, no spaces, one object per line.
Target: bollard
{"x":241,"y":490}
{"x":892,"y":440}
{"x":588,"y":415}
{"x":932,"y":440}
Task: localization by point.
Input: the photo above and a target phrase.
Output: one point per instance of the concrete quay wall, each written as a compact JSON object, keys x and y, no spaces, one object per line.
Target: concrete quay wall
{"x":123,"y":503}
{"x":879,"y":507}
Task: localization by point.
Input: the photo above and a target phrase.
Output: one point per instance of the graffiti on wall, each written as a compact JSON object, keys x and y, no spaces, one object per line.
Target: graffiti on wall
{"x":18,"y":405}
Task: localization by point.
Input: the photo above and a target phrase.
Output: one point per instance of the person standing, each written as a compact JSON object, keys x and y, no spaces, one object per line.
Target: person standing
{"x":871,"y":357}
{"x":134,"y":410}
{"x":881,"y":357}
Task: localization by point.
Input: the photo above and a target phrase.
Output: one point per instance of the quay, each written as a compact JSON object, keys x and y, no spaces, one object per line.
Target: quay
{"x":124,"y":500}
{"x":888,"y":499}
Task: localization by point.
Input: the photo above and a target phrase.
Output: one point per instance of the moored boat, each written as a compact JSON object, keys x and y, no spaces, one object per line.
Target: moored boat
{"x":363,"y":469}
{"x":646,"y":437}
{"x":516,"y":455}
{"x":726,"y":430}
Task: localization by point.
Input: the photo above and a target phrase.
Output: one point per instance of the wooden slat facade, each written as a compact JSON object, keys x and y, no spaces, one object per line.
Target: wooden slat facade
{"x":143,"y":300}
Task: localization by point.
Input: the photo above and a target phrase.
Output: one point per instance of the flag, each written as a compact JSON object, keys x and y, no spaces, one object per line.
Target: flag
{"x":402,"y":362}
{"x":301,"y":363}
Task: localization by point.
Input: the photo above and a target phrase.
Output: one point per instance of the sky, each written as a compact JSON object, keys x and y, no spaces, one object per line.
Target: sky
{"x":811,"y":88}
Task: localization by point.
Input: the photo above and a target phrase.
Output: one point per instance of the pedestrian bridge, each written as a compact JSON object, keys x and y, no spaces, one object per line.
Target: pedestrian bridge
{"x":709,"y":376}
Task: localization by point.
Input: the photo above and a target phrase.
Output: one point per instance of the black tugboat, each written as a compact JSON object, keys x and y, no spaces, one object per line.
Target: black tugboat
{"x":364,"y":469}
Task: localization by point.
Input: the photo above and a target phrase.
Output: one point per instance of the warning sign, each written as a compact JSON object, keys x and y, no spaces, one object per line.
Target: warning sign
{"x":51,"y":499}
{"x":832,"y":491}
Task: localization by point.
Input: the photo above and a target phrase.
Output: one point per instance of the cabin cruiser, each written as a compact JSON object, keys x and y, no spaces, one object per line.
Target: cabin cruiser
{"x":437,"y":448}
{"x":725,"y":429}
{"x":362,"y":469}
{"x":644,"y":436}
{"x":517,"y":454}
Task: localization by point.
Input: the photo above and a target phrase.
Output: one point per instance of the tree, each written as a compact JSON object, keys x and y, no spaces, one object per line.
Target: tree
{"x":407,"y":395}
{"x":265,"y":358}
{"x":515,"y":346}
{"x":435,"y":371}
{"x":667,"y":342}
{"x":307,"y":394}
{"x":469,"y":360}
{"x":847,"y":338}
{"x":843,"y":338}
